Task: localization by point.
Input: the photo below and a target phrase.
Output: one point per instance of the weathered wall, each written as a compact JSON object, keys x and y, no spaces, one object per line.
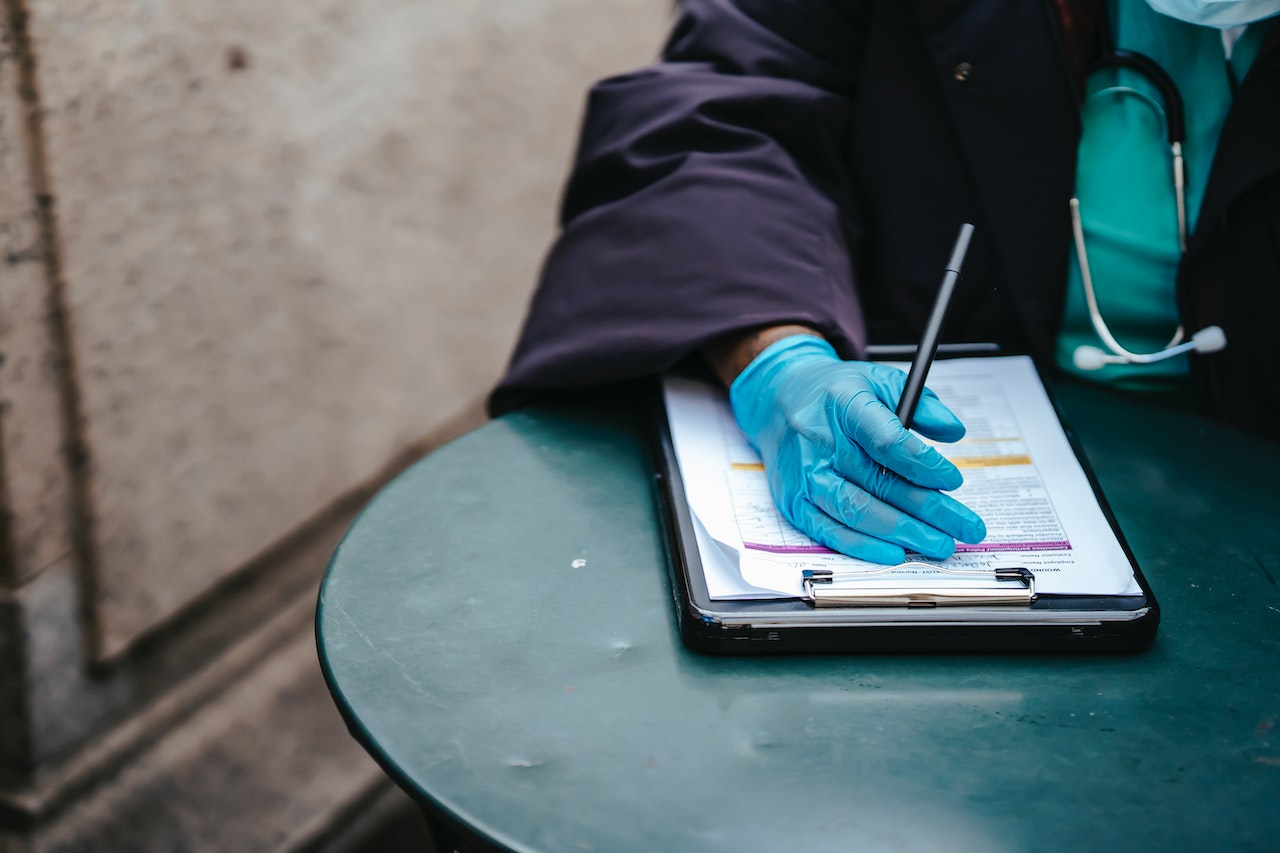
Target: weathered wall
{"x":253,"y":255}
{"x":295,"y":238}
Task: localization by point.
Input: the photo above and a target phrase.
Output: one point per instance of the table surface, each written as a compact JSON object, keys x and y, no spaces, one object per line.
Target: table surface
{"x":497,"y":628}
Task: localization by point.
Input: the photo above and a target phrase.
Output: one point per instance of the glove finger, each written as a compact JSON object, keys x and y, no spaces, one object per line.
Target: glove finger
{"x":868,"y":424}
{"x":935,"y":420}
{"x":825,"y":530}
{"x":940,"y":511}
{"x":932,"y":418}
{"x":862,"y":511}
{"x":936,"y":509}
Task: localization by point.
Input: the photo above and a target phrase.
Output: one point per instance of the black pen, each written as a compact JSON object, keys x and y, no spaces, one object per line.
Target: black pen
{"x":933,"y":330}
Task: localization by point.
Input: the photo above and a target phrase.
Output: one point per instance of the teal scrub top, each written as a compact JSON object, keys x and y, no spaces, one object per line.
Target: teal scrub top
{"x":1125,"y":186}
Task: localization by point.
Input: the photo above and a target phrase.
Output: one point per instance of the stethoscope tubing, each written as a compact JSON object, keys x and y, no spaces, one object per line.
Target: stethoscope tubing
{"x":1175,"y":129}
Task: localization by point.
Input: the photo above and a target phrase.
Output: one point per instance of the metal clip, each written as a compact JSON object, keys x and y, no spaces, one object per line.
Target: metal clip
{"x":821,"y":589}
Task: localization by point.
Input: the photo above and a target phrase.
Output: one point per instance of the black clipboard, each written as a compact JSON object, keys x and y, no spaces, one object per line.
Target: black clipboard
{"x":1038,"y":623}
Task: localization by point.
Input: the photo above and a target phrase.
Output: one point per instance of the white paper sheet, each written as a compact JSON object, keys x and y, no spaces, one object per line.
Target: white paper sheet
{"x":1020,"y":475}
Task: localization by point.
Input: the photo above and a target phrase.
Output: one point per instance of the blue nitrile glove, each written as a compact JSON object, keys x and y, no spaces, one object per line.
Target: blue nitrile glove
{"x":824,"y":428}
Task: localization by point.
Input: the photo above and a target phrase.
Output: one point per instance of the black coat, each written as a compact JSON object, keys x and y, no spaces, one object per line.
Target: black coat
{"x":810,"y":162}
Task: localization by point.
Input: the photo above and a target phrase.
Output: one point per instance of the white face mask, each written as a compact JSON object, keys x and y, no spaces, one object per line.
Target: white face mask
{"x":1219,"y":14}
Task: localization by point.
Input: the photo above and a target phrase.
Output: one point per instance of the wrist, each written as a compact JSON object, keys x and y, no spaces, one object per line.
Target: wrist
{"x":731,"y":354}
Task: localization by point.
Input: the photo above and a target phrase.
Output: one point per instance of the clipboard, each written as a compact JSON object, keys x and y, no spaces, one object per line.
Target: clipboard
{"x":836,"y":614}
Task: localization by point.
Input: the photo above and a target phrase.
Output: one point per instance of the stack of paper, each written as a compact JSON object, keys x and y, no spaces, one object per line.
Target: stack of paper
{"x":1020,"y":472}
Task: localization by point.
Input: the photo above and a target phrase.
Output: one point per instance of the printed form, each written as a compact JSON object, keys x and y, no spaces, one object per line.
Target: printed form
{"x":1020,"y":475}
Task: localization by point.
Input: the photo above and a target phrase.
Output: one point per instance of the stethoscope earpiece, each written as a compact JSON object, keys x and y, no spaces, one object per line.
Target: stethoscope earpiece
{"x":1209,"y":339}
{"x":1091,"y":358}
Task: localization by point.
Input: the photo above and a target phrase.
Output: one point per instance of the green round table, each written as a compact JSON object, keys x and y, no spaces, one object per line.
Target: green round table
{"x":498,"y":631}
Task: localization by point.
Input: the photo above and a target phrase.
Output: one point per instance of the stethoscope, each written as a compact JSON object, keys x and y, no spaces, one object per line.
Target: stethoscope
{"x":1208,"y":339}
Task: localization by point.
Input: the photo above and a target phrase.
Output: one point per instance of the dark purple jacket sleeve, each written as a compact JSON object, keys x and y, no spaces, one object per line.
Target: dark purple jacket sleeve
{"x":809,"y":161}
{"x":710,"y":193}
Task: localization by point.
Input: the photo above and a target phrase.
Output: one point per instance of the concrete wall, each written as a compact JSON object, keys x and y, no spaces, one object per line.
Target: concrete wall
{"x":255,"y":256}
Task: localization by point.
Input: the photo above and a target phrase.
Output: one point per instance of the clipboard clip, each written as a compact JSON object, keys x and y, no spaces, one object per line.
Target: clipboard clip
{"x":826,"y":588}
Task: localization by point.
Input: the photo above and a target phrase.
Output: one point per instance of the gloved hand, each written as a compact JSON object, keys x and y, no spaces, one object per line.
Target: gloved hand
{"x":824,"y":428}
